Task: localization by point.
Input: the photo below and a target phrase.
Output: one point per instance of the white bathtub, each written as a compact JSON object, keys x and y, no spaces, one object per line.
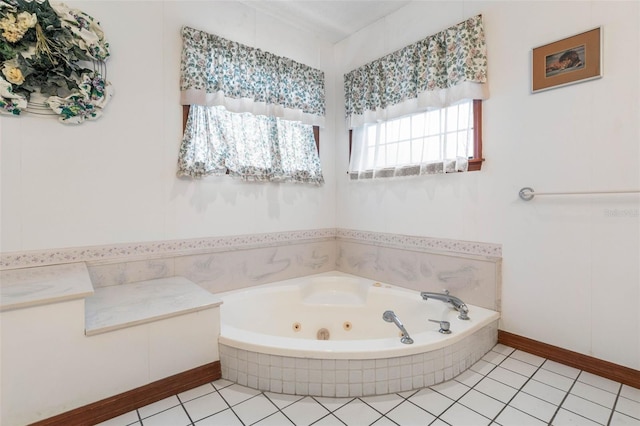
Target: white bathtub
{"x":269,"y":337}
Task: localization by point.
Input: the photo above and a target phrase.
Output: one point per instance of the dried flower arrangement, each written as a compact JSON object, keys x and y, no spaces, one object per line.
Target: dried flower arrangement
{"x":48,"y":48}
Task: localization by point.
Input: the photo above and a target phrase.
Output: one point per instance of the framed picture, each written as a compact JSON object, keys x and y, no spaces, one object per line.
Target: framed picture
{"x":571,"y":60}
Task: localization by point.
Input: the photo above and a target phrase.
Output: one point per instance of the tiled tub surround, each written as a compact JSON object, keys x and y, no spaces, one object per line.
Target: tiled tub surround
{"x":231,"y":269}
{"x":354,"y":377}
{"x":473,"y":277}
{"x":471,"y":270}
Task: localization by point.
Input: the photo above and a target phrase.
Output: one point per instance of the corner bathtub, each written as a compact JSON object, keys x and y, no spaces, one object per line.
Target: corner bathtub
{"x":324,"y":335}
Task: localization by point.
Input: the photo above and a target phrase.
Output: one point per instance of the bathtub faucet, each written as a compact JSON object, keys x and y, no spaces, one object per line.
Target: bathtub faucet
{"x":457,"y":304}
{"x":390,"y":316}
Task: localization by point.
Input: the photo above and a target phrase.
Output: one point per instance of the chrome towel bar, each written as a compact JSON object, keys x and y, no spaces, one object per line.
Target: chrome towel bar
{"x":528,"y":193}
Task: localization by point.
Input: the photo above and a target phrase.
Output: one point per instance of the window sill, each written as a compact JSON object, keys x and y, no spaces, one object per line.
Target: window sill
{"x":475,"y":164}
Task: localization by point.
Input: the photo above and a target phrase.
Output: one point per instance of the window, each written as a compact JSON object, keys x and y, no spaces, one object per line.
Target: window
{"x":248,"y":113}
{"x":437,"y":141}
{"x":252,"y":147}
{"x":444,"y":74}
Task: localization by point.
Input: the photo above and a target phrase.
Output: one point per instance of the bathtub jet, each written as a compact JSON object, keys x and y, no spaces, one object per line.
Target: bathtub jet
{"x":457,"y":304}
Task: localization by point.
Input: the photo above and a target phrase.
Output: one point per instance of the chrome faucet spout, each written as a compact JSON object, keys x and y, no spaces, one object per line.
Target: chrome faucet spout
{"x":390,"y":316}
{"x":445,"y":297}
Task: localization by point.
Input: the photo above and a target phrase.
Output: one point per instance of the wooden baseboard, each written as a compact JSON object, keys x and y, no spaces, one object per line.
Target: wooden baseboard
{"x":128,"y":401}
{"x":607,"y":369}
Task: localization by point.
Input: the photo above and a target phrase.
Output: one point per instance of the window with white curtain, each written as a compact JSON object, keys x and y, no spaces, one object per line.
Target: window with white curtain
{"x":251,"y":147}
{"x":418,"y":110}
{"x":251,"y":113}
{"x":435,"y":141}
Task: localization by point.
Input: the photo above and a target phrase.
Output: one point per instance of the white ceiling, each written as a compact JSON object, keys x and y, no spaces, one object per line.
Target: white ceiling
{"x":332,"y":20}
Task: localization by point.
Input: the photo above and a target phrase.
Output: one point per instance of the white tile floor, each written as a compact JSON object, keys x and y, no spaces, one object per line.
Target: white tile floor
{"x":506,"y":387}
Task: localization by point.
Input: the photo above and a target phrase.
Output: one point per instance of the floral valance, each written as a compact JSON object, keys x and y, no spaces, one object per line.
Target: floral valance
{"x":220,"y":72}
{"x":435,"y":72}
{"x":46,"y":50}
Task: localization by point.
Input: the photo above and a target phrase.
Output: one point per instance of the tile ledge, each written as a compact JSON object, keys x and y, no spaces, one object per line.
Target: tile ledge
{"x":44,"y":285}
{"x":122,"y":306}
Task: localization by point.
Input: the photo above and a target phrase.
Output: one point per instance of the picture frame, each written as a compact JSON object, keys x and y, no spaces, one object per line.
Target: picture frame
{"x":574,"y":59}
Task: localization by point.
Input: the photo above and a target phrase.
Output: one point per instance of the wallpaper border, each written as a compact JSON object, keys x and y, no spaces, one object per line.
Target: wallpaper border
{"x":409,"y":242}
{"x":158,"y":249}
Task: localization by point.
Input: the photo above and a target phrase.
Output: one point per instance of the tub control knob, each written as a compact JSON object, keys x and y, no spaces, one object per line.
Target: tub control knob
{"x":444,"y":326}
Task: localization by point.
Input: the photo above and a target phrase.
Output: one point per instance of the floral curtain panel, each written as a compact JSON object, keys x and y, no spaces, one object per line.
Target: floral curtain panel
{"x":435,"y":72}
{"x":216,"y":71}
{"x":251,"y":147}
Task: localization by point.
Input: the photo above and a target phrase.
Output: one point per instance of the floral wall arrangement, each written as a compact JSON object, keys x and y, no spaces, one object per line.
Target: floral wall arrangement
{"x":51,"y":51}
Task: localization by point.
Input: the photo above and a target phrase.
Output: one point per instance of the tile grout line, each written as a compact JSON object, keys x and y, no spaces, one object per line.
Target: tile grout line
{"x":215,"y":391}
{"x":518,"y":391}
{"x":387,"y":418}
{"x":508,"y":404}
{"x":392,"y":408}
{"x":285,"y":416}
{"x":185,"y":410}
{"x":231,"y":407}
{"x":384,"y":415}
{"x":612,"y":409}
{"x":567,"y":393}
{"x":471,"y":387}
{"x":406,"y":400}
{"x":437,"y":417}
{"x":330,"y":413}
{"x":268,"y":399}
{"x":486,"y":376}
{"x":565,"y":398}
{"x":236,"y":414}
{"x":615,"y":404}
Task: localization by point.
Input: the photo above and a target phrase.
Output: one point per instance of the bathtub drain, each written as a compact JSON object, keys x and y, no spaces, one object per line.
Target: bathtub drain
{"x":323,"y":334}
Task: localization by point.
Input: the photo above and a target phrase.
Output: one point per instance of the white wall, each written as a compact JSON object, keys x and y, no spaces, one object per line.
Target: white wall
{"x":571,"y":274}
{"x":113,"y":180}
{"x":49,"y":366}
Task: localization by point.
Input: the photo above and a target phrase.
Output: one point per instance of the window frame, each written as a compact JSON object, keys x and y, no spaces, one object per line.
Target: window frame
{"x":475,"y":163}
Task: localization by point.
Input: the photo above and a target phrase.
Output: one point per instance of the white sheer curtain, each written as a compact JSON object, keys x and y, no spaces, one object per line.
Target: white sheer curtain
{"x":251,"y":147}
{"x":437,"y":141}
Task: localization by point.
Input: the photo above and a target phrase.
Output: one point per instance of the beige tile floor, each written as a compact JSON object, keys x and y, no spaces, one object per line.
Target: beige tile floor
{"x":507,"y":387}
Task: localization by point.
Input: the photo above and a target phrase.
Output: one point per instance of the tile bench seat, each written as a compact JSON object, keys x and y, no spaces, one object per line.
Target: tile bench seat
{"x":43,"y":285}
{"x":121,"y":306}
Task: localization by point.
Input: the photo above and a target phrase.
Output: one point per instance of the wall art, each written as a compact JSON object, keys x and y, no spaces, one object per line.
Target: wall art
{"x":571,"y":60}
